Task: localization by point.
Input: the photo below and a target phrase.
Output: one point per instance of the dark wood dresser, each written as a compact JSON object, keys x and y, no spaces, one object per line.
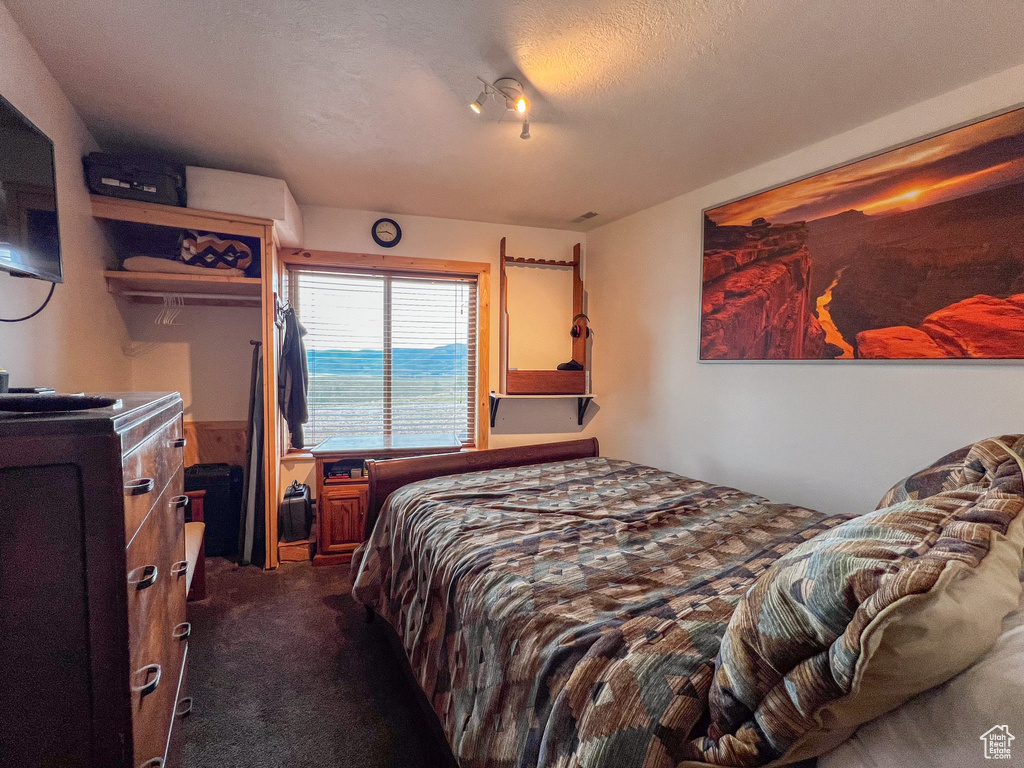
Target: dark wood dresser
{"x":93,"y":637}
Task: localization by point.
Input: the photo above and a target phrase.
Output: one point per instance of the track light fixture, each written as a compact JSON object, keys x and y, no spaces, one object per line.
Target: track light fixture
{"x":511,"y":91}
{"x":478,"y":105}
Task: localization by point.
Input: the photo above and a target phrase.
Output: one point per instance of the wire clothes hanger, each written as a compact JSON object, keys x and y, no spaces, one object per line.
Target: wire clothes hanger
{"x":281,"y":308}
{"x":172,"y":307}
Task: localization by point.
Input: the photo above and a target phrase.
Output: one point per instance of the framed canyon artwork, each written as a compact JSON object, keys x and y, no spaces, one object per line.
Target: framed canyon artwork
{"x":914,"y":253}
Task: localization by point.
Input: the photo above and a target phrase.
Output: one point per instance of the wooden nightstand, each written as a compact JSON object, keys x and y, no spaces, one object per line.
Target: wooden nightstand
{"x":341,"y":519}
{"x":341,"y":500}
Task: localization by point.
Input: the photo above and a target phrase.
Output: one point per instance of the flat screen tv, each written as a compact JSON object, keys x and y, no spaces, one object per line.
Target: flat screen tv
{"x":29,"y":236}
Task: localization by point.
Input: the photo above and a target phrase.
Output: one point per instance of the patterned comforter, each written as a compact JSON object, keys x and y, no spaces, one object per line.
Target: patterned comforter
{"x":569,"y":614}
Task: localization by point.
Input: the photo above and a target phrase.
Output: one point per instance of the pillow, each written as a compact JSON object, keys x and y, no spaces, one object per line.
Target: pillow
{"x":946,"y":725}
{"x":932,"y":479}
{"x":854,"y":622}
{"x":205,"y":249}
{"x":155,"y":264}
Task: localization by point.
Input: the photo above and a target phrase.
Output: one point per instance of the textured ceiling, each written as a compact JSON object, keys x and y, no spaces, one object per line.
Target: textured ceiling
{"x":363,"y":103}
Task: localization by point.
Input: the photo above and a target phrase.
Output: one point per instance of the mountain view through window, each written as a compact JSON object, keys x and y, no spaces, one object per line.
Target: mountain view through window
{"x":387,"y":354}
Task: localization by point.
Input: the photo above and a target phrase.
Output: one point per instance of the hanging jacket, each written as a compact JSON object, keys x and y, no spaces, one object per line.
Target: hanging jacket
{"x":293,"y":378}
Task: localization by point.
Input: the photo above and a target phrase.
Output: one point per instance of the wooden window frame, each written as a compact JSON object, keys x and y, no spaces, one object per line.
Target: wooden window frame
{"x":417,"y":267}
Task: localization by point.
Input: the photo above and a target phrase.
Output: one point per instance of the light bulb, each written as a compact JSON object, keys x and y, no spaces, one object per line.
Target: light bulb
{"x":478,"y":105}
{"x":521,"y":106}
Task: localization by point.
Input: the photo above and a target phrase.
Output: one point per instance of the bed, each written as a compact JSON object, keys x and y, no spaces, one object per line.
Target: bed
{"x":558,"y":608}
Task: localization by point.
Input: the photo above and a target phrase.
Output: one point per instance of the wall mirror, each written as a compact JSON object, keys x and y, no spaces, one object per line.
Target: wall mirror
{"x":541,"y":302}
{"x":539,"y":307}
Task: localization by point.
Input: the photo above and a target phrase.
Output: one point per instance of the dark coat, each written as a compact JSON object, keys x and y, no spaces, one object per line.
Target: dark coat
{"x":293,"y":378}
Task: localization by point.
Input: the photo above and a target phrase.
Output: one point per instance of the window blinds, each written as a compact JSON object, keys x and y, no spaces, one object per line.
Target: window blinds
{"x":388,"y":354}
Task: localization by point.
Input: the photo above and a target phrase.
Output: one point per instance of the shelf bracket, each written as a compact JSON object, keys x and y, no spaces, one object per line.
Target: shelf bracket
{"x":494,"y":409}
{"x":582,"y":403}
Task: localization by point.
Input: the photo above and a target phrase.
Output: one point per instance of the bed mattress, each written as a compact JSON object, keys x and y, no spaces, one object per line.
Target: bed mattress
{"x":570,"y":614}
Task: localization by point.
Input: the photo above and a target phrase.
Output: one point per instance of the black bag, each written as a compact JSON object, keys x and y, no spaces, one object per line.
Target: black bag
{"x":135,"y":177}
{"x":295,"y":515}
{"x":222,"y":506}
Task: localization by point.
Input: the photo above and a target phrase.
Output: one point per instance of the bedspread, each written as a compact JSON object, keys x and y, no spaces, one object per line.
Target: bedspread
{"x":569,"y":614}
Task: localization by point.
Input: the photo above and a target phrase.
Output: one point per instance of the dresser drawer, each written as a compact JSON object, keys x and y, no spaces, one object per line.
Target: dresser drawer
{"x":146,"y":471}
{"x":176,"y":739}
{"x":157,"y":632}
{"x":137,"y":430}
{"x":155,"y":570}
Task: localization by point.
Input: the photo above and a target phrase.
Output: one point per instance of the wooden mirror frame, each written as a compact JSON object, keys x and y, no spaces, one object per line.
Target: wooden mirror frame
{"x":544,"y":382}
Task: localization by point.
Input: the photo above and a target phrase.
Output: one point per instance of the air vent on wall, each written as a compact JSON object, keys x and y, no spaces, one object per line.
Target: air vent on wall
{"x":584,"y":217}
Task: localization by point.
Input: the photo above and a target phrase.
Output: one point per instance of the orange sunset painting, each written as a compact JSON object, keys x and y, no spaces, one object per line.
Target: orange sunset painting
{"x":914,"y":253}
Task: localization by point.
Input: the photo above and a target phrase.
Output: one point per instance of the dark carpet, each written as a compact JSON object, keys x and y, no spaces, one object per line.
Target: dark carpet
{"x":285,"y":671}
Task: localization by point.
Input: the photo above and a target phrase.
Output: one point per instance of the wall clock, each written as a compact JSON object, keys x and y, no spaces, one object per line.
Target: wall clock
{"x":386,"y":233}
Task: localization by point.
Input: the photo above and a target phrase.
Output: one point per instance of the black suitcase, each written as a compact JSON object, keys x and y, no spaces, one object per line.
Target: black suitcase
{"x":135,"y":177}
{"x":222,"y":505}
{"x":295,"y":515}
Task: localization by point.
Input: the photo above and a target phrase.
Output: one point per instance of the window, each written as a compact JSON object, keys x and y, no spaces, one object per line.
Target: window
{"x":388,"y":354}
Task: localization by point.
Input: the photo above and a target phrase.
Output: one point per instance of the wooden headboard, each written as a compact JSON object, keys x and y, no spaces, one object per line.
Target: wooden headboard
{"x":388,"y":475}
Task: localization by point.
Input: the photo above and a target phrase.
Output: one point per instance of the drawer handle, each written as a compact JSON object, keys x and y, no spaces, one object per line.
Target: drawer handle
{"x":182,"y":632}
{"x":179,"y":442}
{"x":179,"y":502}
{"x":179,"y":568}
{"x":184,"y":708}
{"x":144,"y":577}
{"x":139,"y":487}
{"x":151,"y":674}
{"x":153,"y":762}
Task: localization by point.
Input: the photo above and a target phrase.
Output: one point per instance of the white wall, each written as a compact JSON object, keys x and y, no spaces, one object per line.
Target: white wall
{"x":831,"y":436}
{"x":75,"y":343}
{"x":518,"y":423}
{"x":205,"y":355}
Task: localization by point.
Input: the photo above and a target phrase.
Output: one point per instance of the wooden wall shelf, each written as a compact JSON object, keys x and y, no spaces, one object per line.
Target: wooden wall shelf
{"x":539,"y":262}
{"x":582,"y":403}
{"x":196,"y":290}
{"x":116,"y":209}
